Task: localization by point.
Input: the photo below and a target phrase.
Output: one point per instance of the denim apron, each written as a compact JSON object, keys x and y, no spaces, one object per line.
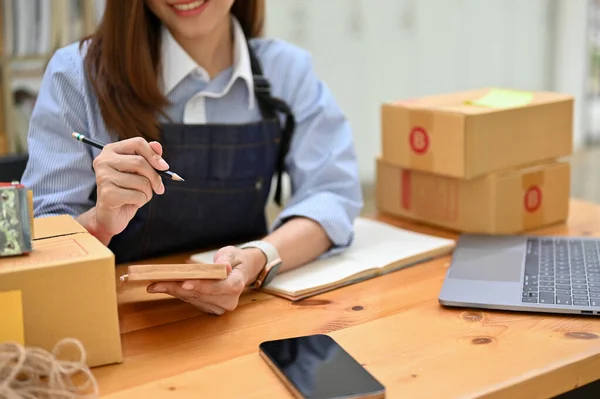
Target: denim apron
{"x":228,"y":171}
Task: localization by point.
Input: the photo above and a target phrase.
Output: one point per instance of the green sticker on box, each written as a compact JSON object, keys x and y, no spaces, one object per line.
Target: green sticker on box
{"x":501,"y":98}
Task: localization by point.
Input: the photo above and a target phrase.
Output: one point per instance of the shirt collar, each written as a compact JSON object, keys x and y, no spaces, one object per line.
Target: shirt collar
{"x":177,"y":64}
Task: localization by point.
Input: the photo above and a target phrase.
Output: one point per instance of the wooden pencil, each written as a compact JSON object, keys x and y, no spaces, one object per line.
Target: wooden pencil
{"x":100,"y":146}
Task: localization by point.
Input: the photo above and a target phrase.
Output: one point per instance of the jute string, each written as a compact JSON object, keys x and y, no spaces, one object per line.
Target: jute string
{"x":34,"y":373}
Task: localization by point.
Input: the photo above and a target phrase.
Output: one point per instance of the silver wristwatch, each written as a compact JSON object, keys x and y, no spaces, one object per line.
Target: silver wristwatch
{"x":271,"y":267}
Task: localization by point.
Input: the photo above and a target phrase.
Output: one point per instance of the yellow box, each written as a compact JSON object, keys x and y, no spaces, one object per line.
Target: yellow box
{"x":11,"y":309}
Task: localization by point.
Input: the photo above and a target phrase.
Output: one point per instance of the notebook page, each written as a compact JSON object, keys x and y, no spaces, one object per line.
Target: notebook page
{"x":375,"y":245}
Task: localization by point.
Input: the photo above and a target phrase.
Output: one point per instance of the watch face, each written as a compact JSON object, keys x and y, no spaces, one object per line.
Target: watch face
{"x":271,"y":274}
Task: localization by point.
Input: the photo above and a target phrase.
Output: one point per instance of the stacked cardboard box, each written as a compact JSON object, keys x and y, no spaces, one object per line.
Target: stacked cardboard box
{"x":65,"y":288}
{"x":482,"y":161}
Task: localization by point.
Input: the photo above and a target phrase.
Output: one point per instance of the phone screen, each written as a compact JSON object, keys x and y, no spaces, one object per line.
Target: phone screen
{"x":317,"y":367}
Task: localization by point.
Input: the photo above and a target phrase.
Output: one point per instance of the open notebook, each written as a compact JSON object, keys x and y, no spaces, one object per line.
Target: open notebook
{"x":378,"y":248}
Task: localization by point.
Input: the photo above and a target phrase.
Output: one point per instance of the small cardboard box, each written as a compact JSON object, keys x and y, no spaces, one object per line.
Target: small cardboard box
{"x":469,"y":134}
{"x":505,"y":202}
{"x":68,"y":290}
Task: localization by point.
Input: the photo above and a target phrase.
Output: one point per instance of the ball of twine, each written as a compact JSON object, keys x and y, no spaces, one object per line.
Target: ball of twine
{"x":34,"y":373}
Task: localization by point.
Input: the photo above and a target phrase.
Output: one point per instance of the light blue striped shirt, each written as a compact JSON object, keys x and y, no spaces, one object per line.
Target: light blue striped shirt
{"x":321,"y":164}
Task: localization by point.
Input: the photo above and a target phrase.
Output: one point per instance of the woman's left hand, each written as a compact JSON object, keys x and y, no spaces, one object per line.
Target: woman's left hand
{"x":218,"y":296}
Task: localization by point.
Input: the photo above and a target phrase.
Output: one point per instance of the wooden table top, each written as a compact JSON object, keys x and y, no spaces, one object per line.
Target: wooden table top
{"x":393,"y":325}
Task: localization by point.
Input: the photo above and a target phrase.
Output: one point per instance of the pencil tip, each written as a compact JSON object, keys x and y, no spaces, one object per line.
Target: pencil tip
{"x":173,"y":175}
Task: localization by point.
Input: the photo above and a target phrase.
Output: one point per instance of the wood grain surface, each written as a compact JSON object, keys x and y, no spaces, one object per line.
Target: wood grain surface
{"x":392,"y":324}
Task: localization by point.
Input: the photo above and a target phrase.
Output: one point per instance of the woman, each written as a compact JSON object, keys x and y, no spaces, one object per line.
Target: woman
{"x":177,"y":81}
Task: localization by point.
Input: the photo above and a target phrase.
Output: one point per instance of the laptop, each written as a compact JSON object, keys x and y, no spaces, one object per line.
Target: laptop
{"x":525,"y":273}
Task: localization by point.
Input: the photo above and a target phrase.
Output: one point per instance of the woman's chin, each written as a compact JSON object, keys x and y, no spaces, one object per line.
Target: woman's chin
{"x":191,"y":31}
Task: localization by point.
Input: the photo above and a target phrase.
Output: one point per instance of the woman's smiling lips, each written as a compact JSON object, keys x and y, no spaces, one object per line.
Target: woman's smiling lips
{"x":189,"y":8}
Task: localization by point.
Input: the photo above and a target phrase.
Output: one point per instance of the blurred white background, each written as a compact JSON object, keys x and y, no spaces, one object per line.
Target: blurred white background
{"x":372,"y":51}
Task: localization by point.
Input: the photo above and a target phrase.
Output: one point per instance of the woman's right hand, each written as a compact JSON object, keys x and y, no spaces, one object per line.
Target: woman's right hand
{"x":126,"y":181}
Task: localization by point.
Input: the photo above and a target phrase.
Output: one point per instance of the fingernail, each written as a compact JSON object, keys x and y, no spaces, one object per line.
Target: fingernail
{"x":158,"y":288}
{"x":163,"y":164}
{"x":187,"y":286}
{"x":161,"y":189}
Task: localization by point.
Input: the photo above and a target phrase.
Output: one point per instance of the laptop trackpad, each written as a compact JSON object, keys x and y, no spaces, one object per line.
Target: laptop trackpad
{"x":483,"y":264}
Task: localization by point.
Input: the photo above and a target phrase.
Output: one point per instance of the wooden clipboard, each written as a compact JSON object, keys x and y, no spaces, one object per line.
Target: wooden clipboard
{"x":174,"y":272}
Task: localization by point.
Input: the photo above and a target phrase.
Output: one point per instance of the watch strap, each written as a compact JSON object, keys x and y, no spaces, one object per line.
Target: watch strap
{"x":273,"y":260}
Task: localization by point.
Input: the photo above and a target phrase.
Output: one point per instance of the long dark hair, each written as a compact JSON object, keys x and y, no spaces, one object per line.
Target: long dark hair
{"x":123,"y":63}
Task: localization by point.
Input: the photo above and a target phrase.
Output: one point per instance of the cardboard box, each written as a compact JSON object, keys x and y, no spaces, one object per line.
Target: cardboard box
{"x":68,"y":290}
{"x":469,"y":134}
{"x":505,"y":202}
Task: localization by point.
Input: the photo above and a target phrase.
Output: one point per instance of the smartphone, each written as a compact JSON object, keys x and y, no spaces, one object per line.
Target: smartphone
{"x":317,"y":367}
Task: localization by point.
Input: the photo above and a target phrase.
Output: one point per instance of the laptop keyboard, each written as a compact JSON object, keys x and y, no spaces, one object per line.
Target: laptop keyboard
{"x":562,"y":271}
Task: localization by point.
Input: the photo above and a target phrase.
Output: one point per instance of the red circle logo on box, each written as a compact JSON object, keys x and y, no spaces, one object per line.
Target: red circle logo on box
{"x":533,"y":199}
{"x":419,"y":140}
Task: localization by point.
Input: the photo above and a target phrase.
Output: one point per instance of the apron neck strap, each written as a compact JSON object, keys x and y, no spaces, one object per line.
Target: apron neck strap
{"x":269,"y":107}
